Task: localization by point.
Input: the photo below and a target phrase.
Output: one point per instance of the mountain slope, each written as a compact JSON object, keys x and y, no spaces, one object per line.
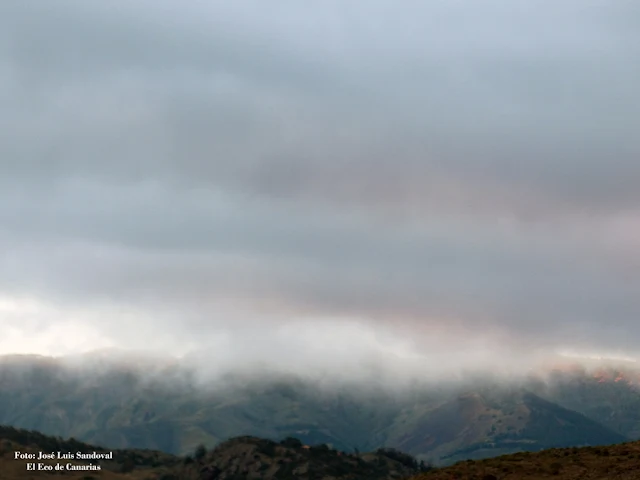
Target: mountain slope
{"x":620,"y":462}
{"x":609,"y":395}
{"x":478,"y":425}
{"x":163,"y":407}
{"x":122,"y":409}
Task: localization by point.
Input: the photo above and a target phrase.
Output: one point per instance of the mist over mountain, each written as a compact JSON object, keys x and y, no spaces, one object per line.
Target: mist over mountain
{"x":170,"y":406}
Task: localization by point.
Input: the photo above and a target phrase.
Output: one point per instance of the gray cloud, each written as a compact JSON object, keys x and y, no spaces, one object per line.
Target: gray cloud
{"x":174,"y":173}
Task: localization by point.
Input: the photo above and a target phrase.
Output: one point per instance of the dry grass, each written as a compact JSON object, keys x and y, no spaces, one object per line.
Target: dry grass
{"x":619,"y":462}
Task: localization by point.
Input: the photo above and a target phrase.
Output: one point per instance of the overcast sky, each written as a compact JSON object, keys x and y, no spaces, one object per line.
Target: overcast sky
{"x":320,"y":180}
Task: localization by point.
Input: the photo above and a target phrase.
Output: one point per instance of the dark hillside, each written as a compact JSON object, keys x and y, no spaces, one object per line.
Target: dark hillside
{"x":243,"y":458}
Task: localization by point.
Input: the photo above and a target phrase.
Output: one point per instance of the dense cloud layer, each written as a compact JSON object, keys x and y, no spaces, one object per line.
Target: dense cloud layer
{"x":284,"y":180}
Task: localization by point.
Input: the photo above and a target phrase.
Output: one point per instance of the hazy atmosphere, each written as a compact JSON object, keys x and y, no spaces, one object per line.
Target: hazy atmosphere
{"x":321,"y":183}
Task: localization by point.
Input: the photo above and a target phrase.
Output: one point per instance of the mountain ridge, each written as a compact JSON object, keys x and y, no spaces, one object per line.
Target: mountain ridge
{"x":126,"y":407}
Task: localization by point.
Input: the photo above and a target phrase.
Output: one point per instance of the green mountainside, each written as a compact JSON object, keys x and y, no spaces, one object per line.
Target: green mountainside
{"x":608,"y":395}
{"x":162,"y":409}
{"x":478,"y":426}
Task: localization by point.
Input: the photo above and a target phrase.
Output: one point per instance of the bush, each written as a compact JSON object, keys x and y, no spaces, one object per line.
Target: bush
{"x":291,"y":442}
{"x":267,"y":448}
{"x":400,"y":457}
{"x":200,"y":452}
